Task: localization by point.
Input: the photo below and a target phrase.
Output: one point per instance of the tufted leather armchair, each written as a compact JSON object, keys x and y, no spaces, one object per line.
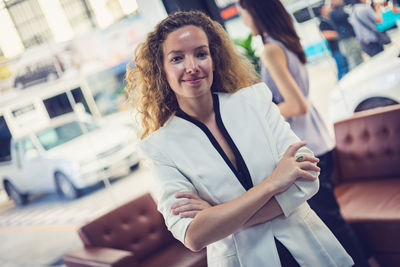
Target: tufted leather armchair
{"x":368,"y":179}
{"x":132,"y":235}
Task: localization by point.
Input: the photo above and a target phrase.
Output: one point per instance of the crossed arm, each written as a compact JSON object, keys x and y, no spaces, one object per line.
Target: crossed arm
{"x":193,"y":204}
{"x":257,"y":205}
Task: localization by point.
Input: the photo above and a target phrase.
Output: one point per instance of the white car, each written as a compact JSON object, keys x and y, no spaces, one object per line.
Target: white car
{"x":67,"y":157}
{"x":372,"y":84}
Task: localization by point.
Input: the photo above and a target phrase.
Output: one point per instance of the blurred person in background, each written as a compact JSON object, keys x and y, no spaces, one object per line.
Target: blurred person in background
{"x":210,"y":129}
{"x":396,"y":6}
{"x":330,"y":34}
{"x":284,"y":71}
{"x":348,"y":43}
{"x":364,"y":19}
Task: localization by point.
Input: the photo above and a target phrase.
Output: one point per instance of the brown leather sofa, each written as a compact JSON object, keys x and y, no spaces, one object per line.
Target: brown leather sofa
{"x":132,"y":235}
{"x":368,"y":179}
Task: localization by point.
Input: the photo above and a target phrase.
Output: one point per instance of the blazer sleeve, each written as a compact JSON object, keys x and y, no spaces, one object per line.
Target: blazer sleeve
{"x":169,"y":181}
{"x":282,"y":136}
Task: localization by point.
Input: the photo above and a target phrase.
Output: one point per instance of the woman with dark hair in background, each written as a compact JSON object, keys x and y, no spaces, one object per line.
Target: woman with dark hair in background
{"x":210,"y":129}
{"x":284,"y":71}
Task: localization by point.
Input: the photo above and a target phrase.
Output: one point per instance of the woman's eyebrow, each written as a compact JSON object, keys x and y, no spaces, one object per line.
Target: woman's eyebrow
{"x":180,"y":51}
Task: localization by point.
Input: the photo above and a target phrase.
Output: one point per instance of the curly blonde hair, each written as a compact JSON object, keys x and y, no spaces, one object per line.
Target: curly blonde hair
{"x":147,"y":84}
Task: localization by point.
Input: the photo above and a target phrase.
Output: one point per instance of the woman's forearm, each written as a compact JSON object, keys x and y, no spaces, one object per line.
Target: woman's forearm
{"x":218,"y":222}
{"x":268,"y":212}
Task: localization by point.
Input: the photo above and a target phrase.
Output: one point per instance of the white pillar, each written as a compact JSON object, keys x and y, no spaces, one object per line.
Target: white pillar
{"x":101,"y":13}
{"x":152,"y":12}
{"x":57,"y":20}
{"x":10,"y":43}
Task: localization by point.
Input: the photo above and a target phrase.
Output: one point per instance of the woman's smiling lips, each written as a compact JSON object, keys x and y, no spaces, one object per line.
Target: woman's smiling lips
{"x":193,"y":80}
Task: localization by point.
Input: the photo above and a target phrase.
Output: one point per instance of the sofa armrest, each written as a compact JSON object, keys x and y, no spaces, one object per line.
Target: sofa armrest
{"x":100,"y":257}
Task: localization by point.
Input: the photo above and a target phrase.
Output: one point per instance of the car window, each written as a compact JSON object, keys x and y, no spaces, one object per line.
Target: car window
{"x":53,"y":137}
{"x":90,"y":126}
{"x":29,"y":148}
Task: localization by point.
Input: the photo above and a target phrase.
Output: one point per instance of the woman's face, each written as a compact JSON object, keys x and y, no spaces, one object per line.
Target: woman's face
{"x":187,"y":62}
{"x":248,"y":21}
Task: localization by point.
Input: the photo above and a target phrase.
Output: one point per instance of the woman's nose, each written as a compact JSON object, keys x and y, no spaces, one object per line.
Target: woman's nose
{"x":191,"y":65}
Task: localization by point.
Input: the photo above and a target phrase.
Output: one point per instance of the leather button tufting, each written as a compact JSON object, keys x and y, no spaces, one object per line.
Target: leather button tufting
{"x":370,"y":155}
{"x":142,"y":212}
{"x":385,"y":132}
{"x":388,"y":152}
{"x":365,"y":135}
{"x":348,"y":139}
{"x":135,"y":241}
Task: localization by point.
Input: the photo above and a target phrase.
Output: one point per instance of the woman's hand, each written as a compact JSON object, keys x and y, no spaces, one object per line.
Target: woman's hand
{"x":189,"y":207}
{"x":289,"y":168}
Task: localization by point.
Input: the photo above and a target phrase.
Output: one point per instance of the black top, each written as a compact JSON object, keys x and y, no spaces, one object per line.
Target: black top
{"x":341,"y":21}
{"x":327,"y":25}
{"x":242,"y":172}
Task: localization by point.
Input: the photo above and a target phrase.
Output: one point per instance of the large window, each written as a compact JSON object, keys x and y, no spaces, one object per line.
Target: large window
{"x":5,"y":138}
{"x":79,"y":14}
{"x":79,"y":98}
{"x":29,"y":21}
{"x":58,"y":105}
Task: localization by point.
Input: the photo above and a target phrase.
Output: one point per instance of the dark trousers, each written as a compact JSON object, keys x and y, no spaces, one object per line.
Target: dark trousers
{"x":325,"y":205}
{"x":372,"y":48}
{"x":341,"y":63}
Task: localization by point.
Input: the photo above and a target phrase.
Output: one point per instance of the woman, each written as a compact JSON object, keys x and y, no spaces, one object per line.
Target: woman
{"x":284,"y":71}
{"x":205,"y":135}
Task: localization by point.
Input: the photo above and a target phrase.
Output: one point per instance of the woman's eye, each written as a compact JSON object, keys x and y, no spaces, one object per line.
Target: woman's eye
{"x":202,"y":54}
{"x":176,"y":59}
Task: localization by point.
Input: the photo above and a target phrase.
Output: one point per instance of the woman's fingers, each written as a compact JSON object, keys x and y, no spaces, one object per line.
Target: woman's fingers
{"x":183,"y":202}
{"x":188,"y":214}
{"x":308,"y":166}
{"x":307,"y":175}
{"x":305,"y":157}
{"x":294,"y":147}
{"x":187,"y":207}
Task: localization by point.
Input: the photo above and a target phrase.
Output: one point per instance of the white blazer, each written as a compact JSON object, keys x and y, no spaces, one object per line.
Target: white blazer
{"x":183,"y":159}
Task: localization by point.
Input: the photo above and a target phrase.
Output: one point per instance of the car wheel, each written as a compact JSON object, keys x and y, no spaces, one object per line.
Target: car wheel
{"x":51,"y":77}
{"x":374,"y":102}
{"x":18,"y":198}
{"x":65,"y":186}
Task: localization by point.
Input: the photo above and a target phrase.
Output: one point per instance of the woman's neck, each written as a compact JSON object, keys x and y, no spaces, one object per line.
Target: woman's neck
{"x":201,"y":108}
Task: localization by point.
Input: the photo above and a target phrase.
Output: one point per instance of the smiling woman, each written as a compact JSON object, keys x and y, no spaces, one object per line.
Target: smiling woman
{"x":159,"y":103}
{"x":226,"y":151}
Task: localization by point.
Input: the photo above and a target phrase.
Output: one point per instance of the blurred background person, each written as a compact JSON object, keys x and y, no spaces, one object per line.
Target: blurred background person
{"x":348,"y":43}
{"x":395,"y":6}
{"x":364,"y":19}
{"x":283,"y":69}
{"x":330,"y":34}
